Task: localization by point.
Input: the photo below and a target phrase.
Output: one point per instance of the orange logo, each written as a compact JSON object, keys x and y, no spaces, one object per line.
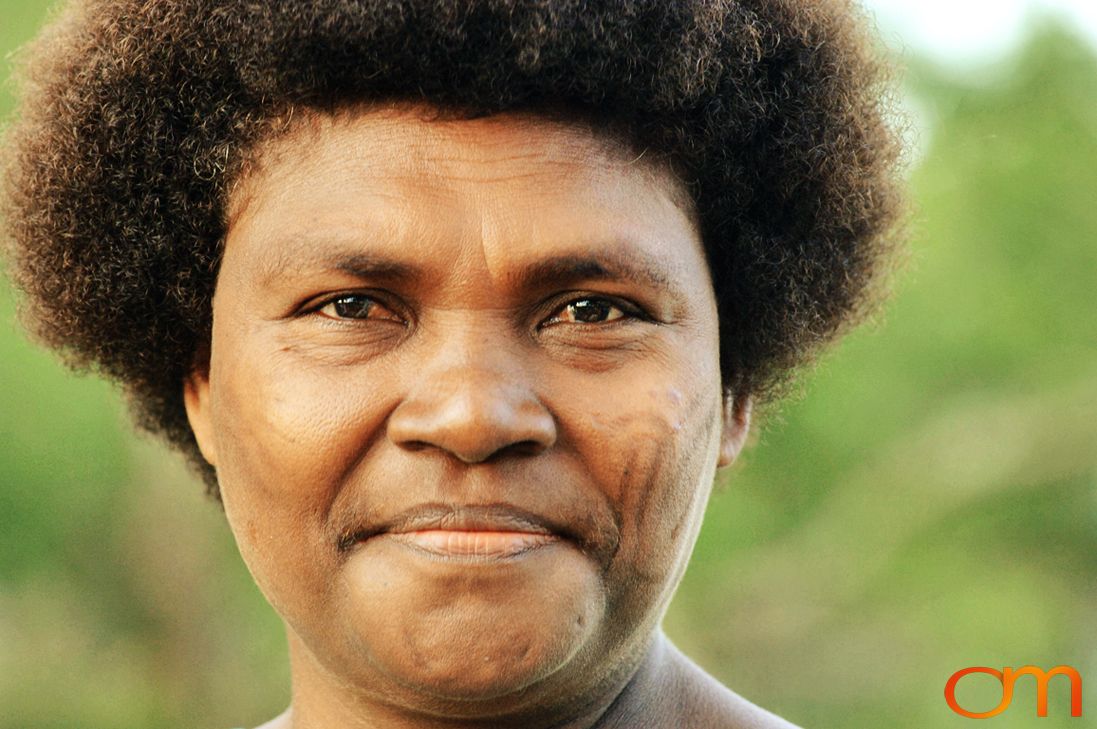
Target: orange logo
{"x":1007,"y":676}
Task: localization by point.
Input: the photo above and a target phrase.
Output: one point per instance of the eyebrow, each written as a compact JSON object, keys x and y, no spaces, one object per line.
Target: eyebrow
{"x":363,"y":265}
{"x":304,"y":259}
{"x":635,"y":267}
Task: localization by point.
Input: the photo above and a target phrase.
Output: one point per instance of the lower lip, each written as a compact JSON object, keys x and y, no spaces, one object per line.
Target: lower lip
{"x":475,"y":544}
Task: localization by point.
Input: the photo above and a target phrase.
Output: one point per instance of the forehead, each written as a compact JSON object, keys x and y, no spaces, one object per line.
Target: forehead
{"x":391,"y":177}
{"x":417,"y":141}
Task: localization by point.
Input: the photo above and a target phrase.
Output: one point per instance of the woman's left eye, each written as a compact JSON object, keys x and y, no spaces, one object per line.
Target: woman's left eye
{"x":588,"y":310}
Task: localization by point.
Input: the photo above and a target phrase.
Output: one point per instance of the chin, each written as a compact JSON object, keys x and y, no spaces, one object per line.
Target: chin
{"x":480,"y":655}
{"x":466,"y":635}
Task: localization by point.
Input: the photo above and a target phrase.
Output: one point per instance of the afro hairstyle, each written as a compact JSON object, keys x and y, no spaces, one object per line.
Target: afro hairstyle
{"x":136,"y":117}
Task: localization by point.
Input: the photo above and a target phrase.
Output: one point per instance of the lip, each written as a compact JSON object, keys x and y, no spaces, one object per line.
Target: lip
{"x":471,"y":531}
{"x":474,"y":544}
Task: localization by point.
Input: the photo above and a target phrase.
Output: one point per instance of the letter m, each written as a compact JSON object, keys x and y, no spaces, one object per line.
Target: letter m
{"x":1042,"y":677}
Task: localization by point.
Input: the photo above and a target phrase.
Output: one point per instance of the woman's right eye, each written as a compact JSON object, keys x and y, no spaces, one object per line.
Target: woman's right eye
{"x":356,"y":307}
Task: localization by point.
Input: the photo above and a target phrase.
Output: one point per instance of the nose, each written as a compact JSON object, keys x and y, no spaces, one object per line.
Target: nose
{"x":473,"y":410}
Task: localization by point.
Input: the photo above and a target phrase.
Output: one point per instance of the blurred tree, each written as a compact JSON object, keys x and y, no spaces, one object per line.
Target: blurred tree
{"x":933,"y":504}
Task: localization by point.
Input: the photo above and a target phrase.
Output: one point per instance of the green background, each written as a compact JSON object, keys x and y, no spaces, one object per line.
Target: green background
{"x":927,"y":502}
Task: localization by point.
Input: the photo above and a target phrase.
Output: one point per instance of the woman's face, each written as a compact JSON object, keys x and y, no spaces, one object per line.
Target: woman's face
{"x":464,"y":403}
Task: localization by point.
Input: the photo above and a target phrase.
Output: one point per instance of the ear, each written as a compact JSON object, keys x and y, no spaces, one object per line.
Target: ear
{"x":736,"y":426}
{"x":196,"y":399}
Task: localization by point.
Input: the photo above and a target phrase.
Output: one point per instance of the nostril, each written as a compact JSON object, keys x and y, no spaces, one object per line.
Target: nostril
{"x":524,"y":448}
{"x":471,"y":444}
{"x":473,"y":417}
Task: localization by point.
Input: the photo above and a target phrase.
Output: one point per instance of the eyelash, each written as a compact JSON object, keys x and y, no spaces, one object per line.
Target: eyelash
{"x":335,"y":300}
{"x":627,"y":311}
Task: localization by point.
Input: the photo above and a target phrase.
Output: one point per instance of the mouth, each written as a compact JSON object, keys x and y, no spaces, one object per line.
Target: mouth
{"x":482,"y":544}
{"x":488,"y":532}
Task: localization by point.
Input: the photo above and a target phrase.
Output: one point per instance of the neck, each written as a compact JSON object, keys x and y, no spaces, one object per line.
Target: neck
{"x":632,"y":700}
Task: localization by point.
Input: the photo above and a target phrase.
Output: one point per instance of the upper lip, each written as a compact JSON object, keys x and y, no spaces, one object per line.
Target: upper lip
{"x":460,"y":517}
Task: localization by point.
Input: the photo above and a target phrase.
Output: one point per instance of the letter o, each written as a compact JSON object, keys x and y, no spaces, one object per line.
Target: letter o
{"x":950,"y":693}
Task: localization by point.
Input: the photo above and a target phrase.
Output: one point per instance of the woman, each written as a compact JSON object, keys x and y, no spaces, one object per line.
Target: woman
{"x":457,"y":307}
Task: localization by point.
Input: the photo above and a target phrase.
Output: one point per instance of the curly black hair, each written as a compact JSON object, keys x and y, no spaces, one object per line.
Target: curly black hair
{"x":136,"y":117}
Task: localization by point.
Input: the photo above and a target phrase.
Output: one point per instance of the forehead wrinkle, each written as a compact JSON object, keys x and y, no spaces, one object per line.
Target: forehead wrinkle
{"x":477,"y":177}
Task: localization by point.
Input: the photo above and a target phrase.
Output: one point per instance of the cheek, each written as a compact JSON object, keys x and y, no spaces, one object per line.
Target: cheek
{"x":301,"y":426}
{"x":657,"y":475}
{"x":286,"y":436}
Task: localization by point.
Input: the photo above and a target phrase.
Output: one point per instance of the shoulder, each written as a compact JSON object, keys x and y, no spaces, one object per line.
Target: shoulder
{"x":282,"y":721}
{"x":705,"y":702}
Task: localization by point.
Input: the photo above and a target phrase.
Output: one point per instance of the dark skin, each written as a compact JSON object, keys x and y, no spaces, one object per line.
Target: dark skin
{"x":465,"y":405}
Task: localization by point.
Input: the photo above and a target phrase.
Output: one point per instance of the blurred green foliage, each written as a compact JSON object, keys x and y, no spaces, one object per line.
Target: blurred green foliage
{"x":930,"y":505}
